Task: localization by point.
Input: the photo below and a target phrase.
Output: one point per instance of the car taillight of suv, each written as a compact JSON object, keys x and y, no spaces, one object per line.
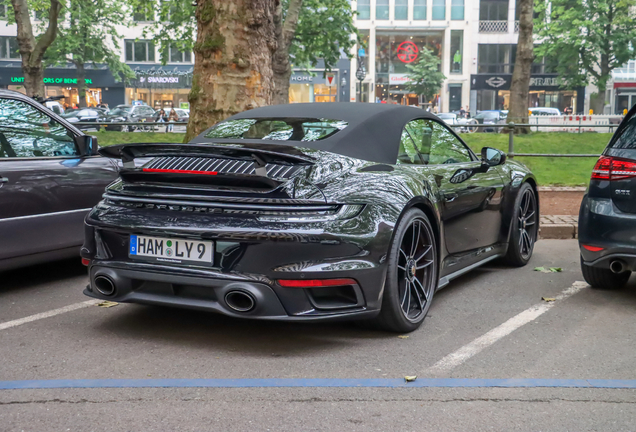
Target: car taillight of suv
{"x":612,"y":168}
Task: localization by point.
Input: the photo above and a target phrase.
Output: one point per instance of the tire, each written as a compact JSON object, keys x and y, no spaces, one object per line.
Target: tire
{"x":412,"y":274}
{"x":523,"y":228}
{"x":604,"y":278}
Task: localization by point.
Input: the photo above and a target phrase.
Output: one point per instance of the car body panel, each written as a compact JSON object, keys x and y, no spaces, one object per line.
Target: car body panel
{"x":44,"y":200}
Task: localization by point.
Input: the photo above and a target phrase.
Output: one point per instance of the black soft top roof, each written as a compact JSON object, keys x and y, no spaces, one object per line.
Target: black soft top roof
{"x":373,"y":132}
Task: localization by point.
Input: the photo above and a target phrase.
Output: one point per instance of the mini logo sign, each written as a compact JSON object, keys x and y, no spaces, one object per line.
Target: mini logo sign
{"x":162,"y":80}
{"x":331,"y":80}
{"x":407,"y":52}
{"x":496,"y":82}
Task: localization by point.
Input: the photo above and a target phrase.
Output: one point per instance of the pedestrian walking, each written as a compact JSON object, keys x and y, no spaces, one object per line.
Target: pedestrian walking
{"x":173,"y":117}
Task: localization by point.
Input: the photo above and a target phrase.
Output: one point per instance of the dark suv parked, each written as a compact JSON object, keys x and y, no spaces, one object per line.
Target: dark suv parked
{"x":50,"y":177}
{"x":128,"y":113}
{"x":607,"y":219}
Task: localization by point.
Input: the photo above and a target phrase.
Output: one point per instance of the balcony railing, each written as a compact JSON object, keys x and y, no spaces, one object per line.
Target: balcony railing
{"x":517,"y":26}
{"x":493,"y":26}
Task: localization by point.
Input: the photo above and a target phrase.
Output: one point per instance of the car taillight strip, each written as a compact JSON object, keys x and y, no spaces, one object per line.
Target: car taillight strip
{"x":609,"y":168}
{"x":178,"y":171}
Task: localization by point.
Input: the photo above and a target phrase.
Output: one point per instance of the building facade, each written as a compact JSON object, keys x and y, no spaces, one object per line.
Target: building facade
{"x":475,"y":41}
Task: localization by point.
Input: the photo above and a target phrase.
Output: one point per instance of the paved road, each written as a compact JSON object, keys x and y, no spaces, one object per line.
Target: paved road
{"x":490,"y":324}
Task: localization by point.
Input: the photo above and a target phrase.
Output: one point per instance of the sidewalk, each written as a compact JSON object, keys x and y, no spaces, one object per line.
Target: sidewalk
{"x":559,"y":227}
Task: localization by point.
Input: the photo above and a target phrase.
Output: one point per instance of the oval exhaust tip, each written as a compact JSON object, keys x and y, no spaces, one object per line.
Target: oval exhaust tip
{"x":104,"y":285}
{"x":240,"y":301}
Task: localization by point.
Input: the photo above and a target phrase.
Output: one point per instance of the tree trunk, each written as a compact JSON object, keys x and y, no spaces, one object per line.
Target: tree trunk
{"x":32,"y":52}
{"x":233,"y":60}
{"x":281,"y":65}
{"x":520,"y":87}
{"x":81,"y":84}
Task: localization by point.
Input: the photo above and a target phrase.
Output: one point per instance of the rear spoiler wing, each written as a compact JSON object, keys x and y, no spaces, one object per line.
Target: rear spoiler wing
{"x":260,"y":154}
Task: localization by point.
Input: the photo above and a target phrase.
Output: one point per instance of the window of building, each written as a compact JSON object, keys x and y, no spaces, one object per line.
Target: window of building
{"x":140,"y":51}
{"x":401,"y":11}
{"x":42,"y":15}
{"x":364,"y":9}
{"x":493,"y":10}
{"x":3,"y":12}
{"x":9,"y":47}
{"x":382,"y":9}
{"x":457,"y":9}
{"x":456,"y":50}
{"x":177,"y":56}
{"x":496,"y":58}
{"x":439,"y":9}
{"x":419,"y":10}
{"x":144,"y":13}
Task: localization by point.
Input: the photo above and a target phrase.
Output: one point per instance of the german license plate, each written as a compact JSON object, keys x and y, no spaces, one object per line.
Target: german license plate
{"x":171,"y":250}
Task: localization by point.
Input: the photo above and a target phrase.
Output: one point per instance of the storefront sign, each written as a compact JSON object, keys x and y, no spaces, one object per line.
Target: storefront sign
{"x":331,"y":80}
{"x":160,"y":79}
{"x":503,"y":81}
{"x":301,"y":78}
{"x":398,"y":79}
{"x":155,"y":80}
{"x":407,"y":52}
{"x":54,"y":80}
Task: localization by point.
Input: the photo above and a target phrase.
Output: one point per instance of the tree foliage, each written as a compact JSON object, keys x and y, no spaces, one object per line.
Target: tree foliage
{"x":89,"y":36}
{"x":325,"y":30}
{"x":590,"y":38}
{"x":425,"y":76}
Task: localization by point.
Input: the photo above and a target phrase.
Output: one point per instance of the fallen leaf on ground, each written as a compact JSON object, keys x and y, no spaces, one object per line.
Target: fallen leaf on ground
{"x":403,"y":337}
{"x":410,"y":378}
{"x":548,"y":299}
{"x":107,"y":304}
{"x":556,"y":269}
{"x":539,"y":269}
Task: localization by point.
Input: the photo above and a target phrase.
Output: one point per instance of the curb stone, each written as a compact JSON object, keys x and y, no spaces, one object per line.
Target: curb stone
{"x":558,"y":227}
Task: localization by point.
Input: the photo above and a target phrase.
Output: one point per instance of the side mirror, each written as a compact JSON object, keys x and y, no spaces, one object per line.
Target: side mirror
{"x":87,"y":145}
{"x":492,"y":157}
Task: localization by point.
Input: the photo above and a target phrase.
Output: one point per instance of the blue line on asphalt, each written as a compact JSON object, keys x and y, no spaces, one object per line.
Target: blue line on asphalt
{"x":317,"y":382}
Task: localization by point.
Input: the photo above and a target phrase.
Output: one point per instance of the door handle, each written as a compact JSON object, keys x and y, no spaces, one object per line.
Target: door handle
{"x":450,"y":197}
{"x":4,"y":180}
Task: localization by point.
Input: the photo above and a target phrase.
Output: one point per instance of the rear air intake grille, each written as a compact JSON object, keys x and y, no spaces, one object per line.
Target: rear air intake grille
{"x":220,"y":165}
{"x":222,"y":207}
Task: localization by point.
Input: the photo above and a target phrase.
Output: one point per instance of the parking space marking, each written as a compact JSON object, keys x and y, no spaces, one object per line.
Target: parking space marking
{"x":475,"y":347}
{"x":317,"y":382}
{"x":51,"y":313}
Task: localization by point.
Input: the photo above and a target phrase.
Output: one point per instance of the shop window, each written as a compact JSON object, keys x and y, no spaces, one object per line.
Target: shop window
{"x":42,"y":15}
{"x":3,"y":12}
{"x":419,"y":10}
{"x":177,"y":56}
{"x":439,"y":9}
{"x":493,"y":10}
{"x":401,"y":11}
{"x":140,"y":51}
{"x":456,"y":50}
{"x":325,"y":93}
{"x":364,"y":9}
{"x":382,"y":9}
{"x":9,"y":47}
{"x":457,"y":9}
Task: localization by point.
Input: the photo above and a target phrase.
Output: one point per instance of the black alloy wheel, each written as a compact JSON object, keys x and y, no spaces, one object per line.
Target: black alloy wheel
{"x":411,"y":278}
{"x":524,"y":227}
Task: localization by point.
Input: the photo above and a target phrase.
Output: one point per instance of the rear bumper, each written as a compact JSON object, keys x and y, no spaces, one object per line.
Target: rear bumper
{"x":602,"y":225}
{"x":251,"y":257}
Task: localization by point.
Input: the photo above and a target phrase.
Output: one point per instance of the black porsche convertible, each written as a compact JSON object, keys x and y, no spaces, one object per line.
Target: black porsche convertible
{"x":308,"y":212}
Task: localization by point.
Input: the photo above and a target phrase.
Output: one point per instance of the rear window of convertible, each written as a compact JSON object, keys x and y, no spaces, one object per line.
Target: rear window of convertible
{"x":277,"y":129}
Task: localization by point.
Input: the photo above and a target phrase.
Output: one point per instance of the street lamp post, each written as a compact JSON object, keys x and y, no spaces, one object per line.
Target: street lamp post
{"x":361,"y":74}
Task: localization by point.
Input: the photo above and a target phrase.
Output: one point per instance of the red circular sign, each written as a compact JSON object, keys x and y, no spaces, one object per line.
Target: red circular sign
{"x":407,"y":52}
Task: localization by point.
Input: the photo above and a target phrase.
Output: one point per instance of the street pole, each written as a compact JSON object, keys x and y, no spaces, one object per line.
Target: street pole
{"x":361,"y":74}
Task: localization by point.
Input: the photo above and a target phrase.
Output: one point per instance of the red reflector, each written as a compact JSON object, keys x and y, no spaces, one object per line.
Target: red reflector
{"x":311,"y":283}
{"x":86,"y":261}
{"x":593,"y":248}
{"x":158,"y":170}
{"x":609,"y":168}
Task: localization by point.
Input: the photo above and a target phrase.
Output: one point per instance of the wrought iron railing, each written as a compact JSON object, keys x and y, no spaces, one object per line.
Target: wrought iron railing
{"x":493,"y":26}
